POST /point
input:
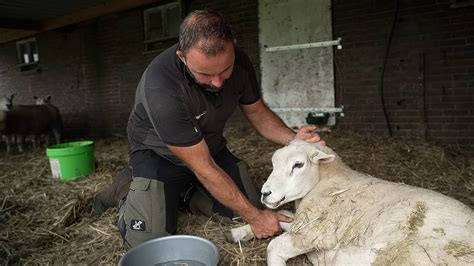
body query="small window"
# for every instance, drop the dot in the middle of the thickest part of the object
(28, 56)
(161, 26)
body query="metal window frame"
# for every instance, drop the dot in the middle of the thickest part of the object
(162, 9)
(27, 43)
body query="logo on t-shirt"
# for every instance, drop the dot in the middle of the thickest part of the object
(200, 115)
(138, 225)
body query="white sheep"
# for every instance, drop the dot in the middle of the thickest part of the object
(346, 217)
(40, 101)
(6, 102)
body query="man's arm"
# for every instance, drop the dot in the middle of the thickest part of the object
(197, 157)
(270, 126)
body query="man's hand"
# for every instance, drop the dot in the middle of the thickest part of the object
(266, 223)
(308, 134)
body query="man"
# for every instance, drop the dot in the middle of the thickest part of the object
(175, 130)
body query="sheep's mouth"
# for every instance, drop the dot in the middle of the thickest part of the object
(275, 204)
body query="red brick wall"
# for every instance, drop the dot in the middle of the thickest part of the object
(443, 36)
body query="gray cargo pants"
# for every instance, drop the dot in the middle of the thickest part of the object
(150, 209)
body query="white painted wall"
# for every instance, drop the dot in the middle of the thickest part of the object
(296, 78)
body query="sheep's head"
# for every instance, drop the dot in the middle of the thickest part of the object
(6, 102)
(295, 173)
(41, 101)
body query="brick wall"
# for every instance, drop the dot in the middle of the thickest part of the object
(243, 17)
(58, 75)
(91, 70)
(430, 39)
(121, 63)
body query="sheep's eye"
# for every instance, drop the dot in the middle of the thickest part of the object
(298, 165)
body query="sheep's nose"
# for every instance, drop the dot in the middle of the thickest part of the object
(266, 194)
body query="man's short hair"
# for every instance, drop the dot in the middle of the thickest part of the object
(205, 30)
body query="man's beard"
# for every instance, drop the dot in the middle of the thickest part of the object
(210, 88)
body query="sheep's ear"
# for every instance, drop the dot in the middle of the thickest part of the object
(35, 97)
(317, 156)
(48, 98)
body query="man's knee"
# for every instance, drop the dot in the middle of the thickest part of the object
(142, 216)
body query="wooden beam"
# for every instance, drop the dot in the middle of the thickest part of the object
(7, 35)
(20, 24)
(102, 9)
(105, 8)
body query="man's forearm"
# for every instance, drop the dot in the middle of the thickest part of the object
(223, 188)
(270, 126)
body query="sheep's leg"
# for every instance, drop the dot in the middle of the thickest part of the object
(7, 142)
(244, 233)
(281, 249)
(47, 140)
(44, 140)
(20, 140)
(57, 136)
(286, 226)
(35, 142)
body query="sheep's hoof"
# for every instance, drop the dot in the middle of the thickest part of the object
(229, 237)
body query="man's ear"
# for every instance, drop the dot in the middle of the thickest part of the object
(181, 56)
(317, 156)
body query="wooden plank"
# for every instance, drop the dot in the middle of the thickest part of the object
(108, 7)
(20, 24)
(7, 35)
(102, 9)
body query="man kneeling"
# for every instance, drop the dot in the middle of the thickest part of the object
(175, 130)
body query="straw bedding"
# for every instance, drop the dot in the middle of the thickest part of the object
(46, 221)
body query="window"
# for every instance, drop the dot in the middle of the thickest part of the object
(28, 56)
(161, 26)
(27, 52)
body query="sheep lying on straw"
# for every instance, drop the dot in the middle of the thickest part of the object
(346, 217)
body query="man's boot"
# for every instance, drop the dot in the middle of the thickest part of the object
(200, 203)
(197, 200)
(111, 196)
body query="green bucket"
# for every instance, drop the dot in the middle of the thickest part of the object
(71, 160)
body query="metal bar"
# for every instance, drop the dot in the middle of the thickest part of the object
(305, 46)
(311, 109)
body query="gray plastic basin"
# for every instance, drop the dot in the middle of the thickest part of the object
(173, 250)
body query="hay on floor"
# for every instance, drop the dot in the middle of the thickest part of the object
(45, 221)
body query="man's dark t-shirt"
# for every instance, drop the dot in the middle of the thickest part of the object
(171, 108)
